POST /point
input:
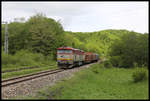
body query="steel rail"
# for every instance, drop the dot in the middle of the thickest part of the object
(19, 79)
(15, 80)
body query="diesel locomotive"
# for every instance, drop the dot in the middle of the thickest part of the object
(67, 57)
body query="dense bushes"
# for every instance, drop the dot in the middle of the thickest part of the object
(116, 61)
(96, 67)
(107, 64)
(129, 49)
(139, 74)
(24, 58)
(95, 70)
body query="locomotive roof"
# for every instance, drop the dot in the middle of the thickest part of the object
(69, 48)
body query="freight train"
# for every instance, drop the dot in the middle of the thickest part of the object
(68, 57)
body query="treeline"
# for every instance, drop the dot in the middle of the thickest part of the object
(44, 35)
(123, 48)
(39, 34)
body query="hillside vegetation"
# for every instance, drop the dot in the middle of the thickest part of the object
(43, 35)
(122, 47)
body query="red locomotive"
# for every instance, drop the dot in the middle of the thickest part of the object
(68, 57)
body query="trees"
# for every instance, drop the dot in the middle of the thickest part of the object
(131, 48)
(142, 49)
(39, 34)
(16, 36)
(46, 34)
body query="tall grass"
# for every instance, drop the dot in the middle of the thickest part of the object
(105, 83)
(140, 74)
(24, 58)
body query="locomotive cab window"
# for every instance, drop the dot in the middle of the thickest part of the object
(64, 51)
(68, 51)
(60, 51)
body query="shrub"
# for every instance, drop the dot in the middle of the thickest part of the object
(107, 64)
(135, 65)
(139, 74)
(95, 68)
(8, 59)
(116, 61)
(22, 58)
(101, 65)
(25, 58)
(5, 58)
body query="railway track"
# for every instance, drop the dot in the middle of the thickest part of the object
(19, 79)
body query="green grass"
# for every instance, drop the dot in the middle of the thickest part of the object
(108, 83)
(26, 71)
(14, 67)
(25, 58)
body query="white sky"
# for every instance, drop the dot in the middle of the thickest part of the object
(84, 16)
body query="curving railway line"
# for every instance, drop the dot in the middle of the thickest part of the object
(28, 84)
(19, 79)
(14, 80)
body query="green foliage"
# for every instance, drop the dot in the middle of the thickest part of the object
(135, 65)
(26, 71)
(115, 61)
(95, 68)
(21, 58)
(24, 58)
(17, 37)
(113, 83)
(107, 64)
(139, 74)
(130, 48)
(2, 34)
(6, 59)
(98, 42)
(40, 34)
(45, 34)
(101, 65)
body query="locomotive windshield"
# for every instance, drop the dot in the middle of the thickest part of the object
(64, 51)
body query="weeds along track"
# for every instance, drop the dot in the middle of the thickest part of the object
(19, 79)
(19, 69)
(15, 80)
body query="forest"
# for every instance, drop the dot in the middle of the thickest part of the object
(40, 36)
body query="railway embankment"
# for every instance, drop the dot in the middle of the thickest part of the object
(29, 87)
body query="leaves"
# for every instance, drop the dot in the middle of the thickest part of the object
(44, 35)
(132, 47)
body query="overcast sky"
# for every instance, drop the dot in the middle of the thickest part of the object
(84, 16)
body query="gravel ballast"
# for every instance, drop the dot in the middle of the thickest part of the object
(31, 86)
